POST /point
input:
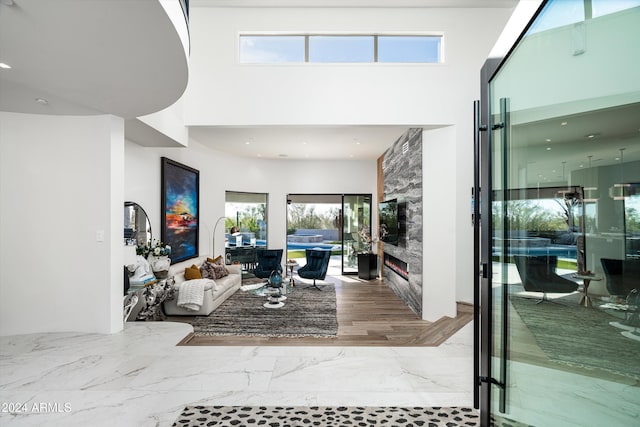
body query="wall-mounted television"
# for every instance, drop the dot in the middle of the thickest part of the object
(389, 228)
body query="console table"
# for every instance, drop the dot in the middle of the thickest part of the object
(244, 255)
(145, 302)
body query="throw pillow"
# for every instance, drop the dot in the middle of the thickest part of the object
(192, 272)
(220, 271)
(219, 261)
(207, 270)
(216, 260)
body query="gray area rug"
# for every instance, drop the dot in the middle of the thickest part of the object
(578, 336)
(326, 416)
(306, 312)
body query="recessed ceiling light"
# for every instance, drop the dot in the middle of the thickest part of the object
(548, 140)
(617, 158)
(247, 143)
(259, 155)
(581, 166)
(563, 124)
(42, 101)
(304, 143)
(4, 65)
(548, 148)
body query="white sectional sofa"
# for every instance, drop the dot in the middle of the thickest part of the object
(214, 295)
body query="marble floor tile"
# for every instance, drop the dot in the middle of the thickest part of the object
(139, 377)
(569, 399)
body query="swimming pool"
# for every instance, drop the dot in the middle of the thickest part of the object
(312, 245)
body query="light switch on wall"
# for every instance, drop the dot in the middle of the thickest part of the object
(99, 235)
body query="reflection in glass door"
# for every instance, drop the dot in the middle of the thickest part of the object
(356, 230)
(559, 205)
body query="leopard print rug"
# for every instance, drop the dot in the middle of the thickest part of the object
(326, 416)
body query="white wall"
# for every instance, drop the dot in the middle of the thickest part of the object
(57, 193)
(444, 259)
(222, 91)
(220, 172)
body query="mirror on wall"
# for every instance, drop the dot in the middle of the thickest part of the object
(137, 227)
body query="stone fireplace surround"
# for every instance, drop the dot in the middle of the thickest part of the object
(402, 180)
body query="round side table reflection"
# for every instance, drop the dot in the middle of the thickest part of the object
(585, 299)
(291, 265)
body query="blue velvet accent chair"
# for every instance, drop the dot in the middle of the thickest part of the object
(622, 275)
(268, 260)
(316, 267)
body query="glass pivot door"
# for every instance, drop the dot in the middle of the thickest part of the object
(559, 162)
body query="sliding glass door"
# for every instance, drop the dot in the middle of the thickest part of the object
(561, 263)
(356, 229)
(339, 223)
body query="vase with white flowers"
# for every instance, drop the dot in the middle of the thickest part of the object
(157, 253)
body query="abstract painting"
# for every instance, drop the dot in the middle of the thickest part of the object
(180, 199)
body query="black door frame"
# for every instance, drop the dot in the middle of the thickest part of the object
(483, 312)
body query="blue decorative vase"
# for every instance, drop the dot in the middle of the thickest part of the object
(275, 279)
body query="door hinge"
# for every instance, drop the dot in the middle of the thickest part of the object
(497, 126)
(490, 381)
(484, 271)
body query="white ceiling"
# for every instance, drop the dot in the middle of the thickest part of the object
(544, 147)
(300, 142)
(89, 57)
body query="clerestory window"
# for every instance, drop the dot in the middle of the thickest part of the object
(337, 48)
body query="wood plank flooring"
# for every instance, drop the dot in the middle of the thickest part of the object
(369, 314)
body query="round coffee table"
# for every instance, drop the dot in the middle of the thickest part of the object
(274, 302)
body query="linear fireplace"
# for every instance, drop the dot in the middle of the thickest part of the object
(398, 266)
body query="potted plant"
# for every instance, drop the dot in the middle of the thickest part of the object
(367, 260)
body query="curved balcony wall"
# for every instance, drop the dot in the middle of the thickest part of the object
(100, 57)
